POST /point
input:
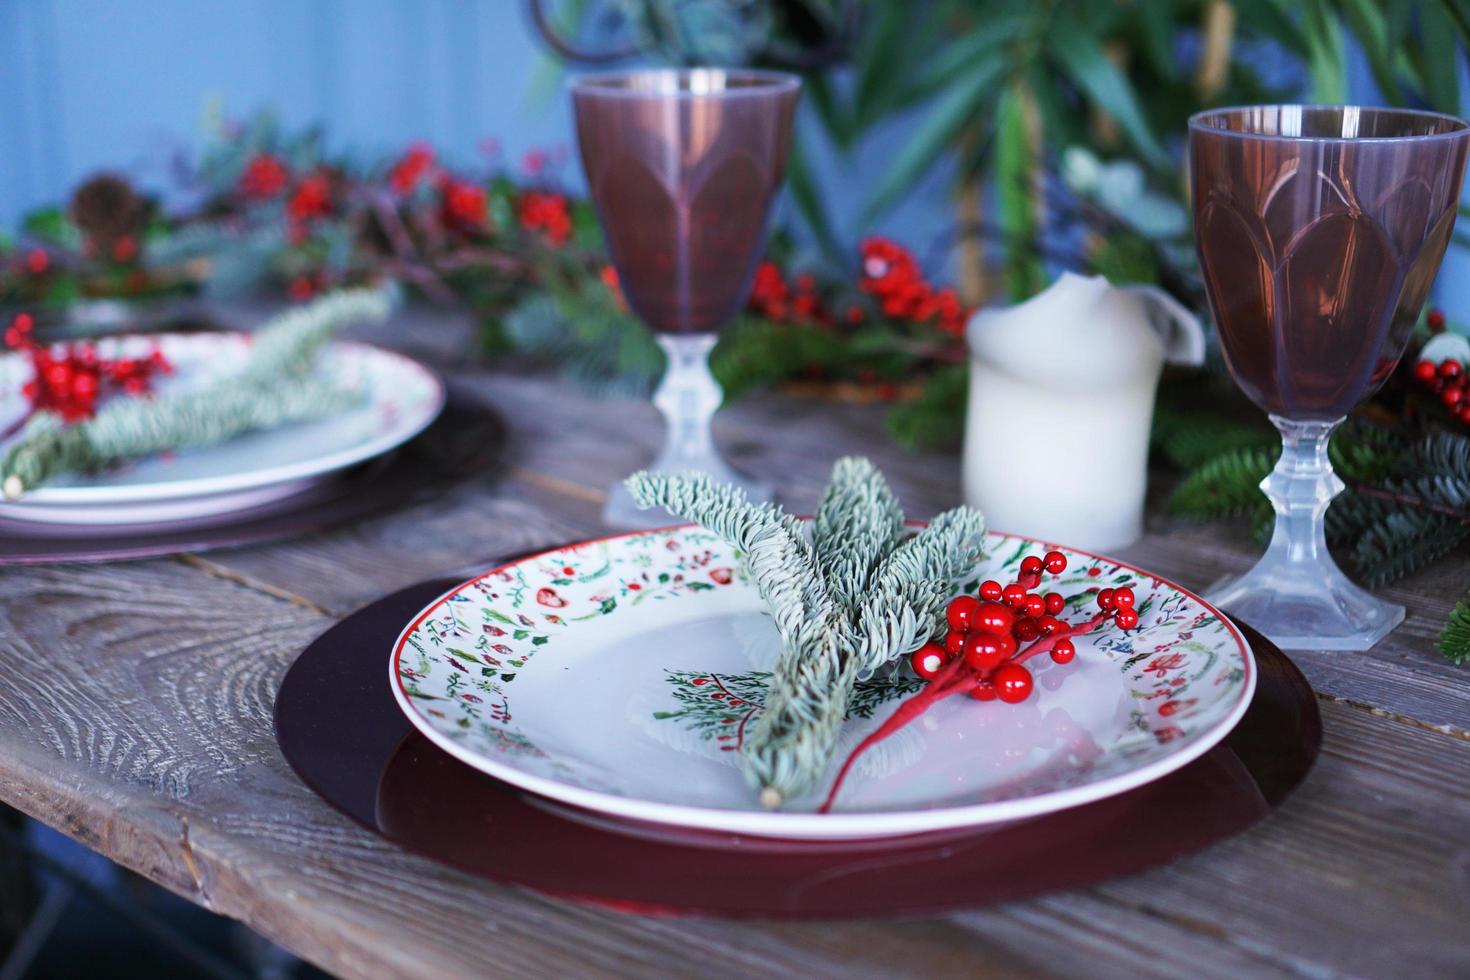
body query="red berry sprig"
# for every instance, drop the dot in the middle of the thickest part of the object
(990, 638)
(70, 379)
(1449, 381)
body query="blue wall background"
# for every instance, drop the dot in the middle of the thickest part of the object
(92, 84)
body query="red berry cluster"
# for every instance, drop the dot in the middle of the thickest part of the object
(547, 213)
(312, 198)
(991, 632)
(795, 302)
(70, 379)
(890, 274)
(463, 204)
(264, 177)
(989, 640)
(1450, 382)
(411, 169)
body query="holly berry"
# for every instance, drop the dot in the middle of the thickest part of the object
(1435, 321)
(995, 619)
(1123, 598)
(1049, 624)
(961, 612)
(1105, 600)
(1426, 370)
(983, 652)
(1055, 602)
(954, 643)
(1026, 630)
(1063, 652)
(1012, 683)
(1452, 397)
(1031, 565)
(1055, 562)
(1034, 605)
(1013, 595)
(1127, 619)
(984, 691)
(990, 590)
(1450, 368)
(929, 660)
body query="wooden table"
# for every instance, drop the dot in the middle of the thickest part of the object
(135, 715)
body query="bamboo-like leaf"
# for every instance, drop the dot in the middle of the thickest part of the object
(1326, 55)
(965, 102)
(808, 199)
(1440, 56)
(1083, 60)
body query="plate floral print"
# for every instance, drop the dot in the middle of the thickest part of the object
(457, 665)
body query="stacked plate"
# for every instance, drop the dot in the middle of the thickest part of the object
(213, 484)
(619, 677)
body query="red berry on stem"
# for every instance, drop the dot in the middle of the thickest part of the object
(1450, 368)
(1425, 370)
(1123, 598)
(995, 619)
(1012, 683)
(1049, 625)
(1055, 602)
(1055, 562)
(1452, 397)
(961, 612)
(1105, 599)
(984, 691)
(990, 590)
(1026, 629)
(1435, 321)
(1031, 565)
(1013, 595)
(954, 643)
(928, 660)
(1063, 651)
(1127, 619)
(1465, 414)
(983, 650)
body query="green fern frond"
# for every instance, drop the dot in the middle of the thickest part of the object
(1454, 639)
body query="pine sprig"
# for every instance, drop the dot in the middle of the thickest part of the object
(1454, 639)
(849, 603)
(1228, 485)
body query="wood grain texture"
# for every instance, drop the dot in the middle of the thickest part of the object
(135, 716)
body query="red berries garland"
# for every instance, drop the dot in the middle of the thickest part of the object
(70, 379)
(890, 274)
(1450, 382)
(990, 638)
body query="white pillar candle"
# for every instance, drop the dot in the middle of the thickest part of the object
(1061, 402)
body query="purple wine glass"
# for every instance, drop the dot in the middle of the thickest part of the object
(1320, 230)
(683, 166)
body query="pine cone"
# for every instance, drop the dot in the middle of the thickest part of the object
(106, 208)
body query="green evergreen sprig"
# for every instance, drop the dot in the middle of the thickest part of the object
(855, 597)
(1454, 639)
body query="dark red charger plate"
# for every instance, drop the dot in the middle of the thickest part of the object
(466, 438)
(341, 730)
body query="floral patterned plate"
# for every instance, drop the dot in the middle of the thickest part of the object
(620, 675)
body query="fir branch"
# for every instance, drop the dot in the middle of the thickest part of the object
(1454, 639)
(858, 524)
(288, 344)
(1228, 485)
(1404, 542)
(133, 427)
(825, 644)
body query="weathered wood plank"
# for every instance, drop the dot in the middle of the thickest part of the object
(136, 717)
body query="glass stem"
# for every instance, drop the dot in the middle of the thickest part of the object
(688, 396)
(1300, 489)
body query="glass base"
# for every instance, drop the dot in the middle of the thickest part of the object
(621, 511)
(1296, 611)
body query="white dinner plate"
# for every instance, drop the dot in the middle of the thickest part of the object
(402, 398)
(620, 675)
